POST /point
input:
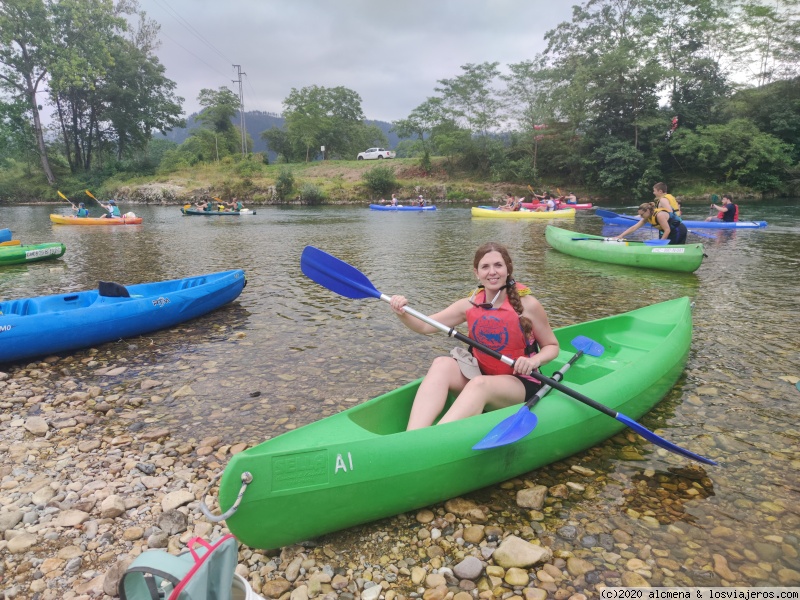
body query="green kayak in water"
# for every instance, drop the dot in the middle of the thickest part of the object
(361, 465)
(15, 255)
(648, 254)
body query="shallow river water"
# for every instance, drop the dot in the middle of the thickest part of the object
(289, 352)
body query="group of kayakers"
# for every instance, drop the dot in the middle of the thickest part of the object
(547, 202)
(420, 201)
(112, 210)
(215, 204)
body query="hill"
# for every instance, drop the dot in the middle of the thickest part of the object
(256, 122)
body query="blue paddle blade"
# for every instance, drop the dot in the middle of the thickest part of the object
(509, 430)
(607, 214)
(588, 345)
(659, 441)
(335, 274)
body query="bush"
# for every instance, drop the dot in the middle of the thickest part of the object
(284, 184)
(311, 194)
(380, 181)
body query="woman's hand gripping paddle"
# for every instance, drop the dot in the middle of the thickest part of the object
(347, 281)
(517, 426)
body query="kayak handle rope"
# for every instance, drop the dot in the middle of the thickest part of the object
(247, 478)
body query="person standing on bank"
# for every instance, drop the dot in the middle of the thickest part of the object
(501, 314)
(668, 224)
(728, 212)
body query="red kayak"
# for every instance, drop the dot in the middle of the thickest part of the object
(559, 205)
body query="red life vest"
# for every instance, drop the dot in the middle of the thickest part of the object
(721, 214)
(499, 329)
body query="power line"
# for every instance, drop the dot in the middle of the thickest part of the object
(189, 27)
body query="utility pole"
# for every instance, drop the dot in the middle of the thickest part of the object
(241, 107)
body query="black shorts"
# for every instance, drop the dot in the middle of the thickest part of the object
(531, 387)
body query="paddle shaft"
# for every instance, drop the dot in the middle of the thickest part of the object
(558, 376)
(65, 198)
(653, 242)
(450, 331)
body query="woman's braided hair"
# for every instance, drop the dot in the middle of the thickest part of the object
(511, 288)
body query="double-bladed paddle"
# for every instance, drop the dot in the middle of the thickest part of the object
(607, 214)
(65, 198)
(518, 425)
(653, 242)
(347, 281)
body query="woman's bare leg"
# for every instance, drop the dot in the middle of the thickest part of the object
(497, 391)
(443, 376)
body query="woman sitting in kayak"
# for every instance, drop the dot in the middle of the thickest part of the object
(511, 203)
(669, 225)
(501, 314)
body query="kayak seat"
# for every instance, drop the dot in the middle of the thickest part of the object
(19, 307)
(112, 290)
(194, 281)
(637, 337)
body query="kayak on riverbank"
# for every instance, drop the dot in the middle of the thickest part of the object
(48, 324)
(613, 218)
(18, 254)
(488, 212)
(361, 465)
(648, 254)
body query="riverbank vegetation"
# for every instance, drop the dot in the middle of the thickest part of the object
(702, 94)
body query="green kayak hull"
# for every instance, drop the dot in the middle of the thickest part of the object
(361, 465)
(14, 255)
(686, 258)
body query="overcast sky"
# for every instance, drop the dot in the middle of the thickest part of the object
(391, 52)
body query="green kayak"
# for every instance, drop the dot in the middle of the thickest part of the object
(685, 258)
(14, 255)
(361, 465)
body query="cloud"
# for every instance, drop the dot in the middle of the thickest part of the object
(391, 52)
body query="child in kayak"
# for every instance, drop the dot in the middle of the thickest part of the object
(501, 314)
(668, 224)
(81, 212)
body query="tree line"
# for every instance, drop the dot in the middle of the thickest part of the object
(627, 92)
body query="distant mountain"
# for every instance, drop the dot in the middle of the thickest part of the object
(256, 122)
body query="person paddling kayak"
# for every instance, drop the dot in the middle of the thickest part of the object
(501, 314)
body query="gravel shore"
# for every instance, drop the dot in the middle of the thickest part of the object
(87, 483)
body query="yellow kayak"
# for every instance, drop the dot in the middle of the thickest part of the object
(73, 220)
(492, 213)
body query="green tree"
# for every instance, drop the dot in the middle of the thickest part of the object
(26, 49)
(219, 107)
(332, 117)
(735, 152)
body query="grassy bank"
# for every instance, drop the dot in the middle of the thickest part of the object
(327, 182)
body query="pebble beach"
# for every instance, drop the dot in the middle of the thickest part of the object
(90, 479)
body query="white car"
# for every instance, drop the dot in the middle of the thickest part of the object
(375, 153)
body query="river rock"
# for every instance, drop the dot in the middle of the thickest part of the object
(469, 568)
(172, 522)
(175, 499)
(516, 552)
(112, 507)
(9, 519)
(37, 426)
(532, 497)
(21, 543)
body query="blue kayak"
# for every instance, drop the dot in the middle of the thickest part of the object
(48, 324)
(398, 207)
(612, 218)
(5, 235)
